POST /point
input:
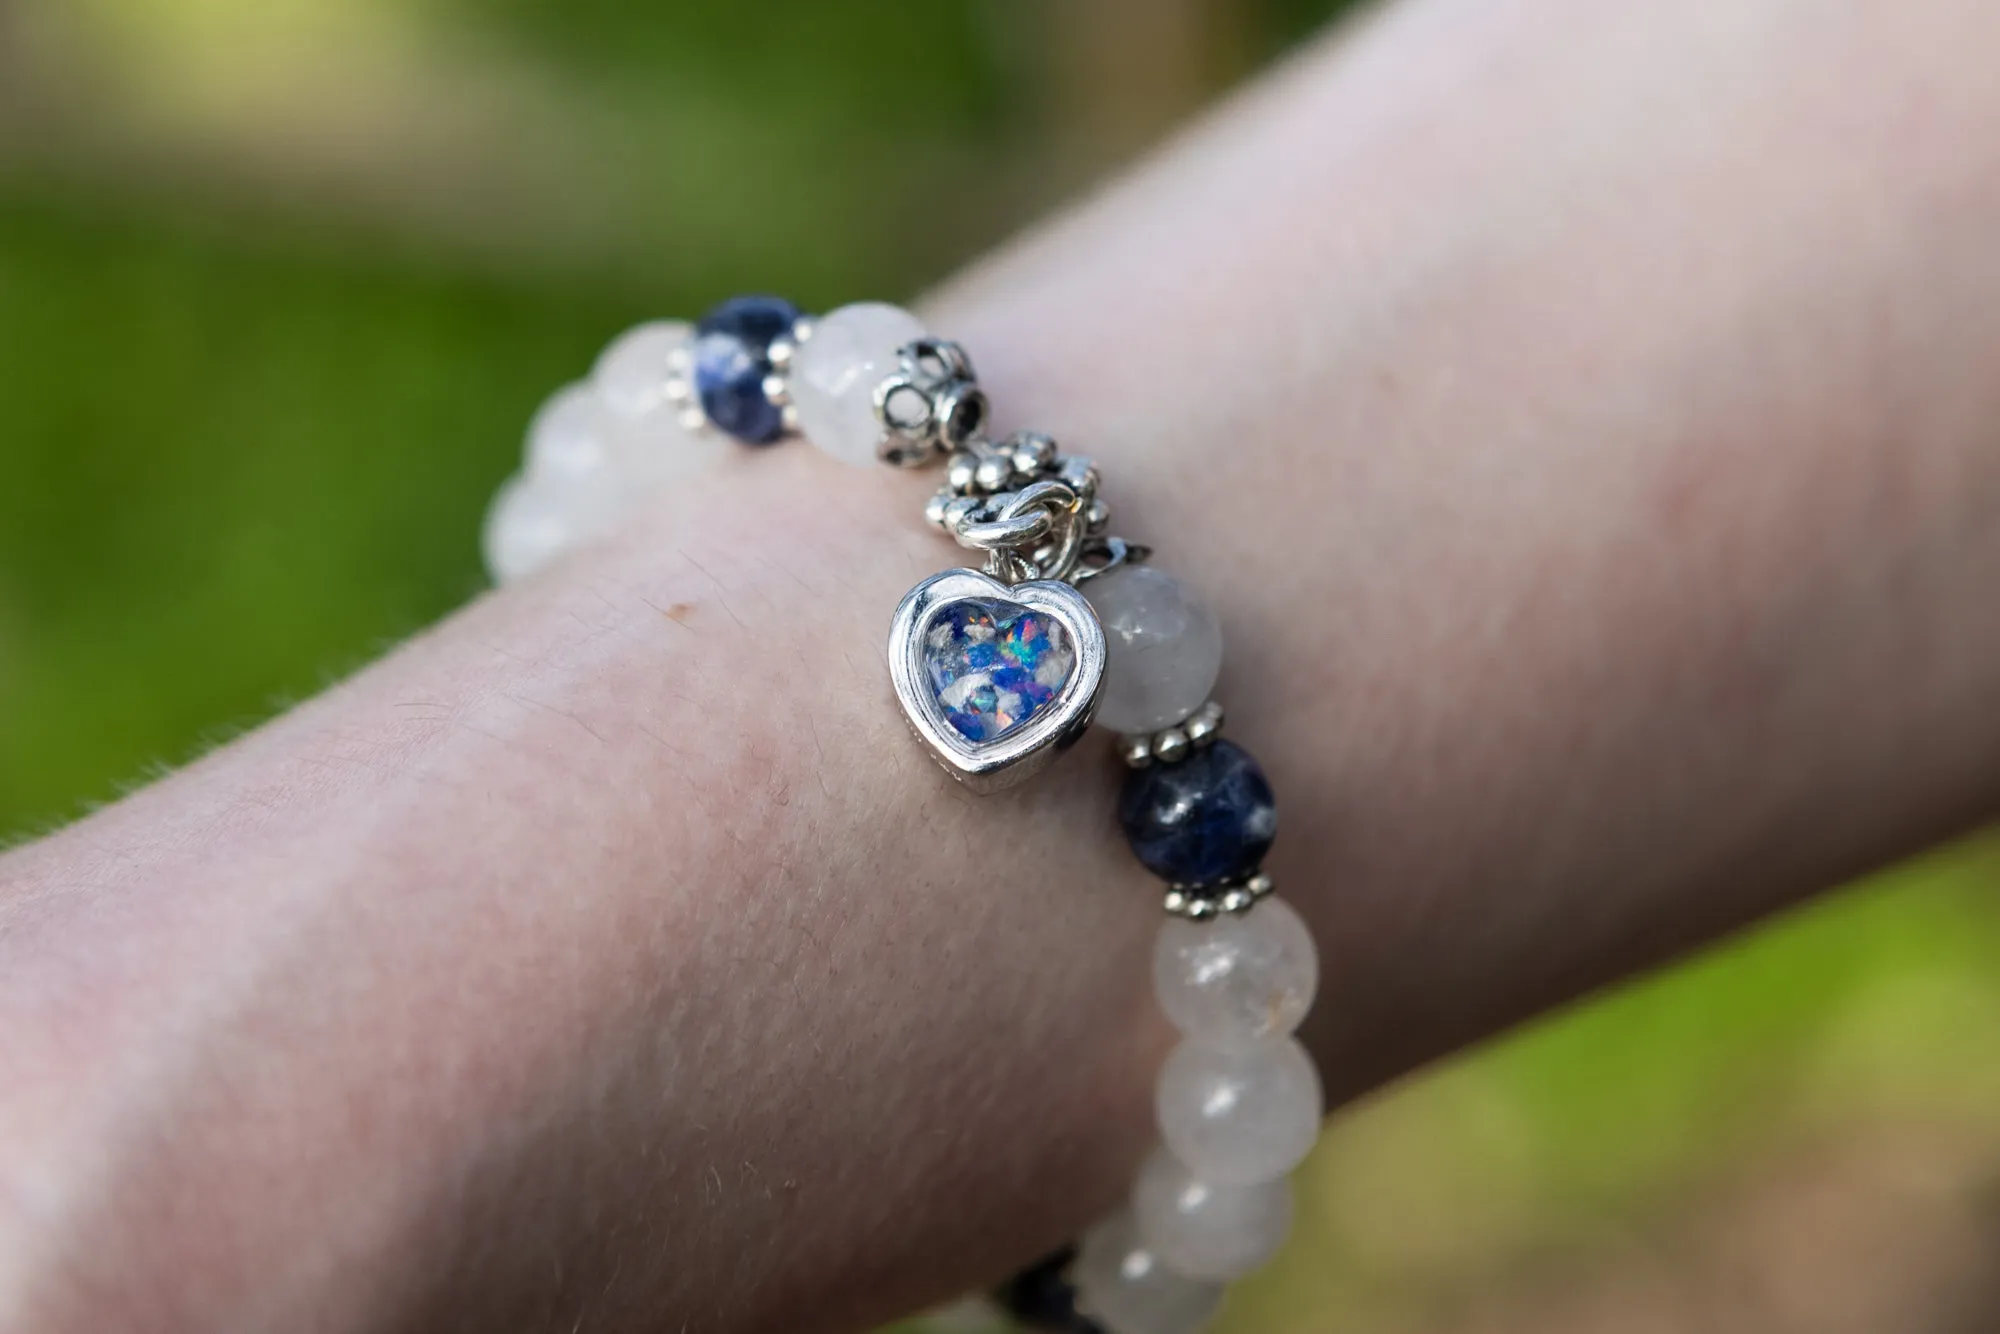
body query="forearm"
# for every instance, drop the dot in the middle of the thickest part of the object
(1596, 485)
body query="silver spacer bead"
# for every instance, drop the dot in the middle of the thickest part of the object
(1030, 453)
(993, 472)
(1194, 907)
(1172, 744)
(1203, 903)
(1080, 473)
(961, 472)
(1205, 724)
(680, 390)
(934, 508)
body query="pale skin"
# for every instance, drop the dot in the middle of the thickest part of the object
(1586, 421)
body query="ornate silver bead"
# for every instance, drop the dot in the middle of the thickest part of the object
(932, 404)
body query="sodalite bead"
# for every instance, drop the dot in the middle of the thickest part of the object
(1234, 981)
(732, 357)
(835, 373)
(1204, 820)
(1128, 1289)
(1209, 1229)
(1163, 649)
(1042, 1297)
(1242, 1115)
(758, 321)
(993, 665)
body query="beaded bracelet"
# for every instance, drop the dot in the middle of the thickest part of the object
(998, 669)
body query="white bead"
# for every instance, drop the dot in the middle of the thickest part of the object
(649, 454)
(1126, 1288)
(1206, 1229)
(603, 461)
(527, 526)
(834, 374)
(1235, 980)
(1241, 1115)
(573, 486)
(631, 372)
(570, 437)
(1163, 649)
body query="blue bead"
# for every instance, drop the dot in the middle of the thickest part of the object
(1206, 820)
(732, 357)
(756, 320)
(729, 380)
(1042, 1298)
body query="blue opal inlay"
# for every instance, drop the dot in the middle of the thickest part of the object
(1205, 820)
(732, 357)
(993, 665)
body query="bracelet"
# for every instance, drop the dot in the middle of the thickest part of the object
(998, 669)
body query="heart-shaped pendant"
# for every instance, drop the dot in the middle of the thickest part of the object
(996, 679)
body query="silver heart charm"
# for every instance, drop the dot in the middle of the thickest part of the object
(996, 678)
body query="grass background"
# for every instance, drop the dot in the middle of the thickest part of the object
(281, 281)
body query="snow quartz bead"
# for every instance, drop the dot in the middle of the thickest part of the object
(1239, 1105)
(1209, 1230)
(1241, 1114)
(1163, 649)
(525, 529)
(835, 373)
(650, 444)
(1125, 1286)
(631, 374)
(565, 493)
(1234, 981)
(594, 450)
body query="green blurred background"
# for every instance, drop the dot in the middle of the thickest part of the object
(281, 281)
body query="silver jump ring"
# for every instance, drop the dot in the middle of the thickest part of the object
(1005, 534)
(1067, 511)
(1040, 529)
(1023, 520)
